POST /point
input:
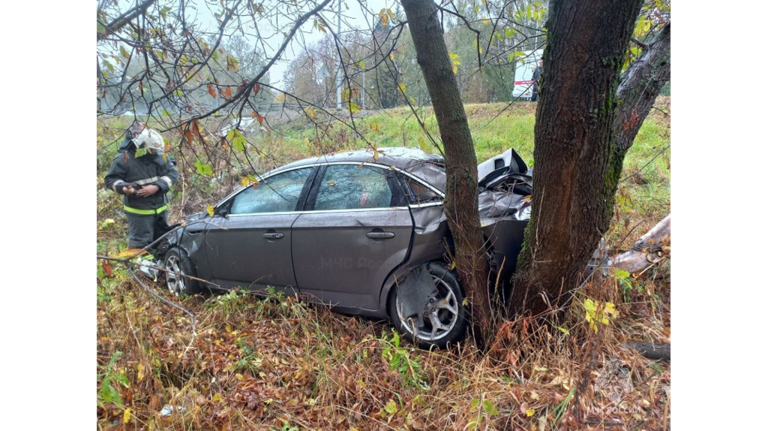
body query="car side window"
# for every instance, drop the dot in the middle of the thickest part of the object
(418, 192)
(278, 193)
(354, 187)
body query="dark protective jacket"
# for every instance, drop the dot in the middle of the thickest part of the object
(144, 170)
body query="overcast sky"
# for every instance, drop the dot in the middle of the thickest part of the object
(353, 17)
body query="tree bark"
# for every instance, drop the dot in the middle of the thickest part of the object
(461, 162)
(640, 85)
(573, 193)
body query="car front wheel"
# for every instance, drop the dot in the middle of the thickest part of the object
(178, 268)
(439, 317)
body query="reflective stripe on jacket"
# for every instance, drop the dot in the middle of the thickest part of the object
(144, 170)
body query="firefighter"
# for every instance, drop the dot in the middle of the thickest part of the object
(144, 175)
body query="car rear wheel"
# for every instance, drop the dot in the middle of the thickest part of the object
(443, 318)
(178, 268)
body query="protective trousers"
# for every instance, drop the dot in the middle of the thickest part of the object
(145, 229)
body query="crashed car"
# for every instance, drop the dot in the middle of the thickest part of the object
(366, 235)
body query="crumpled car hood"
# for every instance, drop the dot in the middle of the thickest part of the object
(505, 186)
(507, 163)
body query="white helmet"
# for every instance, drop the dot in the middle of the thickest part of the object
(150, 139)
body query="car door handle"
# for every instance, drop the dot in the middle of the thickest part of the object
(380, 235)
(273, 235)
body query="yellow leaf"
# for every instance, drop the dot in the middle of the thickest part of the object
(244, 181)
(141, 372)
(127, 415)
(130, 252)
(209, 209)
(217, 398)
(392, 56)
(530, 412)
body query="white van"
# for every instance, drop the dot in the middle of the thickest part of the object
(525, 65)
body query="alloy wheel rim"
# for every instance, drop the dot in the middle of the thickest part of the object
(175, 280)
(440, 314)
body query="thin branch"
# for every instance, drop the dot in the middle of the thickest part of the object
(649, 162)
(179, 307)
(469, 26)
(119, 22)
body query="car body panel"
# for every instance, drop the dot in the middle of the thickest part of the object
(191, 238)
(336, 261)
(251, 250)
(506, 236)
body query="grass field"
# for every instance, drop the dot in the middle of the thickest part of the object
(277, 363)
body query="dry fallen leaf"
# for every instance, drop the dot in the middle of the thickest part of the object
(130, 253)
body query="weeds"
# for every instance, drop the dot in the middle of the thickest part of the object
(108, 393)
(400, 360)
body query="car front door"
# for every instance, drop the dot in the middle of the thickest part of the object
(356, 230)
(249, 244)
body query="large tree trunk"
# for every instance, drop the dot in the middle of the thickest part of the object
(461, 162)
(573, 193)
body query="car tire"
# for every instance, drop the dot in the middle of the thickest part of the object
(443, 324)
(178, 270)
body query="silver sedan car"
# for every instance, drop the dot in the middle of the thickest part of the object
(364, 233)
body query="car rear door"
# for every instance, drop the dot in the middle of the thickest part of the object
(250, 244)
(355, 230)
